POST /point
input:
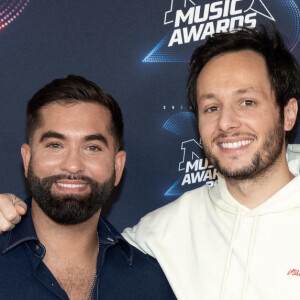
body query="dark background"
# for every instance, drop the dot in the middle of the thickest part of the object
(106, 42)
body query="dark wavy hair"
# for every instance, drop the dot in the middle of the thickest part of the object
(283, 69)
(73, 89)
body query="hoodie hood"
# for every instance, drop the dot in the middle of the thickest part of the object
(224, 200)
(293, 158)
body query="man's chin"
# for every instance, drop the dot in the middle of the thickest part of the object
(240, 172)
(70, 209)
(235, 168)
(235, 174)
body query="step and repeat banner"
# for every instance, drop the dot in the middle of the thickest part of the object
(138, 51)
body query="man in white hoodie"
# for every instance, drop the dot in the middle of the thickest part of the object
(239, 239)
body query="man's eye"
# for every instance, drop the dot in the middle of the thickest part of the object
(53, 145)
(94, 148)
(211, 109)
(248, 103)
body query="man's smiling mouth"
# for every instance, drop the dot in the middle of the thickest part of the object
(71, 185)
(236, 145)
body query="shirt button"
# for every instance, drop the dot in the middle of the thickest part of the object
(37, 248)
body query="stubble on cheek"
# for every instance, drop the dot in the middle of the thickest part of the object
(262, 160)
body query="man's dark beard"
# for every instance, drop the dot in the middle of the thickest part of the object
(263, 159)
(71, 208)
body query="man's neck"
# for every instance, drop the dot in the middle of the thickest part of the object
(71, 252)
(78, 240)
(253, 192)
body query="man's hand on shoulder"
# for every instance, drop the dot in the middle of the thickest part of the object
(11, 210)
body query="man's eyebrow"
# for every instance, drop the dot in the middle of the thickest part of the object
(52, 134)
(246, 90)
(237, 92)
(97, 137)
(207, 96)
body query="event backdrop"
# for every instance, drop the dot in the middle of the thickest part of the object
(138, 51)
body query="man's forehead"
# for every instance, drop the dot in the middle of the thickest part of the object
(246, 67)
(69, 110)
(70, 104)
(234, 56)
(80, 116)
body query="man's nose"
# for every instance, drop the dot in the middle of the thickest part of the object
(73, 162)
(229, 119)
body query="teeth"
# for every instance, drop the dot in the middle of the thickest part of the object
(67, 185)
(236, 145)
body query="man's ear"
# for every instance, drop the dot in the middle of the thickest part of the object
(120, 159)
(26, 154)
(290, 114)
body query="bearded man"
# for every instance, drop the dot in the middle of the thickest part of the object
(62, 248)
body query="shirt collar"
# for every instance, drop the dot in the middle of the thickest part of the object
(108, 235)
(25, 231)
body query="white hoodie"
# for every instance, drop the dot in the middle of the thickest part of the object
(211, 247)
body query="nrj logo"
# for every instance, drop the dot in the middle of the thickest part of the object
(194, 170)
(191, 21)
(200, 21)
(191, 168)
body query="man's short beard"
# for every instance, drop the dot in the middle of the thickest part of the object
(71, 208)
(265, 158)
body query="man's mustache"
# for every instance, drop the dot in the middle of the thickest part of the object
(52, 179)
(235, 134)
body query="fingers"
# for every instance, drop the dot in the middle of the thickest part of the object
(6, 225)
(21, 208)
(11, 210)
(20, 205)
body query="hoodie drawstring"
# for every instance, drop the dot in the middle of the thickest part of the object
(229, 256)
(249, 258)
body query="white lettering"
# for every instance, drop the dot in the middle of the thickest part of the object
(176, 38)
(202, 165)
(210, 11)
(208, 30)
(223, 25)
(215, 9)
(197, 18)
(200, 176)
(191, 166)
(197, 177)
(193, 33)
(186, 179)
(251, 23)
(233, 11)
(215, 173)
(208, 175)
(240, 22)
(180, 17)
(226, 8)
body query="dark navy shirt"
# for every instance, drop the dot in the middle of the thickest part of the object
(123, 272)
